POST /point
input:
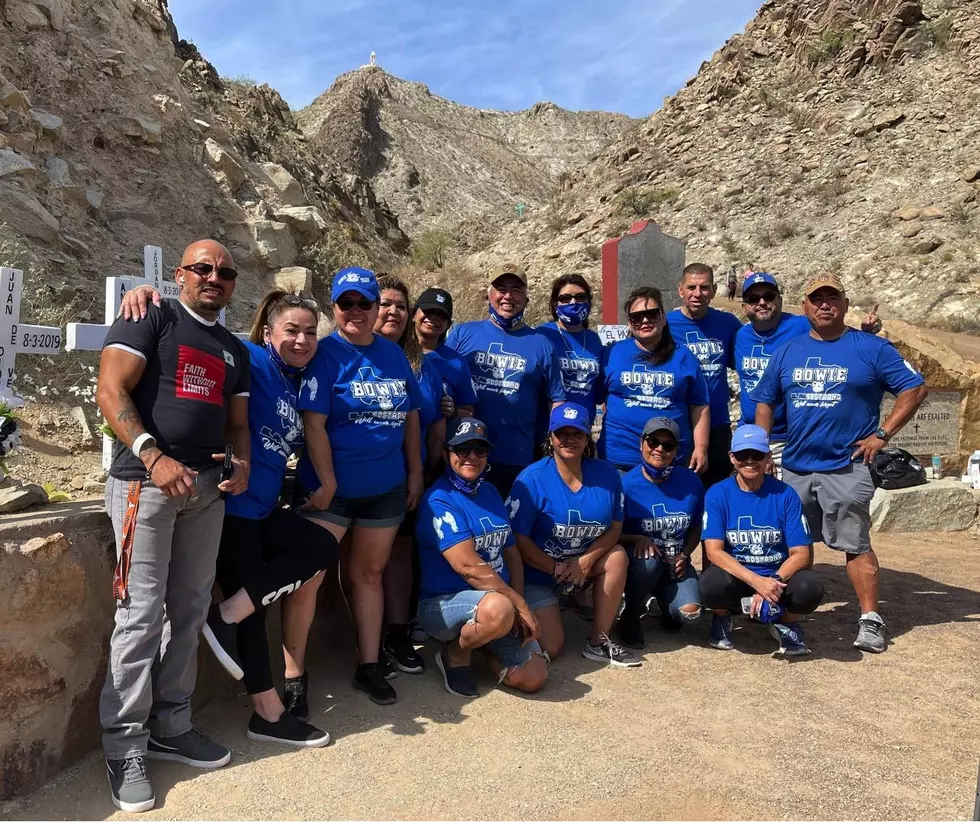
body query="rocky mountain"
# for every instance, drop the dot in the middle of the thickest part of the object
(831, 134)
(436, 162)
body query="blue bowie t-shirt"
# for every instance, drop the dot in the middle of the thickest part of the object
(758, 527)
(513, 372)
(447, 517)
(753, 350)
(366, 391)
(561, 522)
(636, 390)
(580, 360)
(458, 382)
(712, 340)
(832, 392)
(430, 397)
(662, 511)
(275, 430)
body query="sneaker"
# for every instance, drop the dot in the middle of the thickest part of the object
(652, 607)
(130, 786)
(384, 665)
(609, 651)
(192, 748)
(631, 633)
(371, 680)
(457, 680)
(871, 633)
(669, 624)
(583, 609)
(720, 635)
(294, 697)
(287, 730)
(417, 633)
(790, 639)
(222, 639)
(400, 650)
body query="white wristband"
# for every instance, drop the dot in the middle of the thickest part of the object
(141, 441)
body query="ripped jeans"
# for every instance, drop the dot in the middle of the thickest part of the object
(648, 577)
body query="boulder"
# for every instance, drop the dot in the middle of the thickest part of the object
(23, 15)
(20, 497)
(50, 124)
(276, 184)
(970, 174)
(888, 119)
(931, 213)
(943, 505)
(907, 213)
(13, 165)
(58, 171)
(911, 229)
(25, 215)
(308, 221)
(273, 242)
(13, 98)
(139, 128)
(225, 162)
(926, 245)
(295, 280)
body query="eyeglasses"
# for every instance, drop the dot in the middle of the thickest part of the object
(665, 445)
(205, 270)
(765, 296)
(346, 304)
(565, 299)
(465, 451)
(295, 301)
(749, 455)
(651, 315)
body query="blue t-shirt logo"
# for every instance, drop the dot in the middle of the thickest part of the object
(664, 523)
(313, 385)
(446, 519)
(578, 374)
(371, 389)
(756, 538)
(645, 387)
(502, 366)
(822, 380)
(492, 541)
(570, 536)
(753, 367)
(710, 353)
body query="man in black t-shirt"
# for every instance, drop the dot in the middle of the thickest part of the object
(174, 389)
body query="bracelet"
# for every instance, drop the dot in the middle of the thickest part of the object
(156, 459)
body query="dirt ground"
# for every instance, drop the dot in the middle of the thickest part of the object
(694, 734)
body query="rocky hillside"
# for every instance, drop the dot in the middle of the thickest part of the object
(436, 162)
(838, 134)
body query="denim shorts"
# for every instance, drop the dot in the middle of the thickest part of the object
(443, 617)
(379, 511)
(540, 596)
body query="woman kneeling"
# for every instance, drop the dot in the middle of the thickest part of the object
(468, 556)
(759, 545)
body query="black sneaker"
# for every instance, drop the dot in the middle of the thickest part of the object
(669, 624)
(192, 748)
(457, 680)
(294, 697)
(370, 680)
(222, 639)
(630, 632)
(130, 786)
(287, 730)
(400, 650)
(608, 651)
(384, 665)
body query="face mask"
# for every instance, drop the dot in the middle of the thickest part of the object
(286, 368)
(462, 484)
(573, 313)
(506, 323)
(658, 474)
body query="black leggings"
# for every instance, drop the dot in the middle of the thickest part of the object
(269, 558)
(721, 591)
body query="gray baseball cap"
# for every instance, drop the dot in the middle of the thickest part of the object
(662, 424)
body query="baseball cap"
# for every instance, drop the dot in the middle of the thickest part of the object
(758, 278)
(750, 438)
(466, 429)
(569, 415)
(655, 424)
(435, 298)
(825, 280)
(508, 268)
(360, 280)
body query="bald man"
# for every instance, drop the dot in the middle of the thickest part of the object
(174, 389)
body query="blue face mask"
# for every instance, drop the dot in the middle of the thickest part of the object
(506, 323)
(573, 313)
(658, 474)
(286, 368)
(462, 484)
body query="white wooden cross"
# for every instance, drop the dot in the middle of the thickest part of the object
(17, 337)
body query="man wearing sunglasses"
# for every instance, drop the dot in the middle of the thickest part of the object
(830, 384)
(174, 389)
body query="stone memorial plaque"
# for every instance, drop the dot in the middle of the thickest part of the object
(644, 256)
(934, 429)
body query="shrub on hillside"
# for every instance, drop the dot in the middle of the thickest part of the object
(828, 45)
(431, 248)
(639, 202)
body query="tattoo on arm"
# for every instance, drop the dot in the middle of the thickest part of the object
(128, 425)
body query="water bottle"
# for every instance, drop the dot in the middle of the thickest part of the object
(767, 613)
(973, 469)
(937, 467)
(670, 550)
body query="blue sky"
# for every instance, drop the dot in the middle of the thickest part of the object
(507, 54)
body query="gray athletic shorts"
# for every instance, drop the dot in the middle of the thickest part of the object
(776, 451)
(837, 505)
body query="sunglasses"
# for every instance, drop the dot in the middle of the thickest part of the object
(565, 299)
(665, 445)
(205, 270)
(435, 314)
(651, 315)
(465, 451)
(765, 296)
(295, 301)
(346, 304)
(749, 455)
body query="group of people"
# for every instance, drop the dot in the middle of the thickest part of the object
(451, 473)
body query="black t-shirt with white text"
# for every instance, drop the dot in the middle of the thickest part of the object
(193, 368)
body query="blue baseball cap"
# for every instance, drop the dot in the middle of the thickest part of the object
(750, 438)
(759, 278)
(360, 280)
(570, 415)
(466, 429)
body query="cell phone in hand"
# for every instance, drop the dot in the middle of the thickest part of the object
(228, 467)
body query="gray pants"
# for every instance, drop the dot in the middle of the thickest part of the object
(153, 650)
(837, 505)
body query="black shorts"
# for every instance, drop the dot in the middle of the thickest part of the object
(378, 511)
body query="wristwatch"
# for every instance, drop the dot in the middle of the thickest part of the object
(142, 441)
(882, 434)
